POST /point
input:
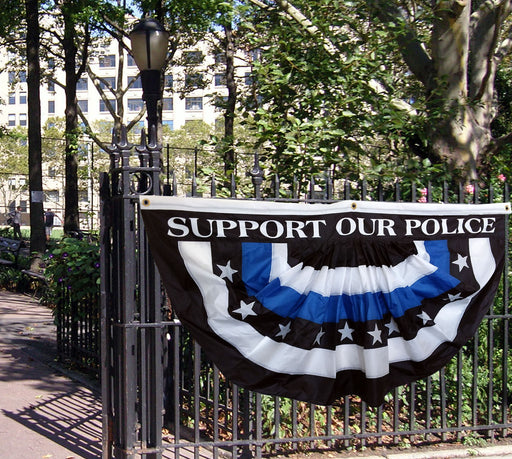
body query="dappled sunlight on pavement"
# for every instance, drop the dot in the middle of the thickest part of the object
(43, 413)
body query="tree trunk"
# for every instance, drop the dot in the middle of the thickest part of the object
(71, 219)
(37, 234)
(454, 136)
(229, 115)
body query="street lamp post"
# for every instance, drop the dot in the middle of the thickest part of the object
(149, 47)
(131, 305)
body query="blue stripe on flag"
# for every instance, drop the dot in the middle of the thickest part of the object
(256, 264)
(317, 308)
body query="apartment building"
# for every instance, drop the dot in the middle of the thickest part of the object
(201, 72)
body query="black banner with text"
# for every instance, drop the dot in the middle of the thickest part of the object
(317, 301)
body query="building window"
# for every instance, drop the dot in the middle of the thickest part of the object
(83, 196)
(52, 172)
(193, 57)
(51, 86)
(82, 84)
(23, 98)
(220, 79)
(168, 82)
(84, 105)
(169, 124)
(24, 205)
(134, 82)
(248, 78)
(11, 183)
(12, 76)
(255, 55)
(193, 103)
(108, 60)
(12, 98)
(23, 119)
(108, 81)
(135, 105)
(51, 63)
(130, 61)
(11, 119)
(52, 195)
(51, 106)
(103, 106)
(220, 58)
(168, 104)
(193, 80)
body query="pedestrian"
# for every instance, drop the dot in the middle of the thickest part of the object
(16, 222)
(49, 219)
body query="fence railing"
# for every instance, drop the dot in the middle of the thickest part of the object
(78, 331)
(469, 400)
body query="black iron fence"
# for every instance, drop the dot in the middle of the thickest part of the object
(78, 331)
(469, 401)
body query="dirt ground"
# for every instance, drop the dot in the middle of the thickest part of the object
(403, 448)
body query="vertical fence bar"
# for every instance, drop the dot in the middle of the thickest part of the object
(294, 423)
(259, 426)
(176, 393)
(364, 411)
(277, 421)
(346, 420)
(506, 318)
(235, 409)
(124, 307)
(216, 396)
(105, 319)
(442, 398)
(197, 398)
(460, 398)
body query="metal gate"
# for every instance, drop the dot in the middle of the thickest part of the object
(161, 398)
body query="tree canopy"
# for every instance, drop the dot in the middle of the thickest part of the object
(413, 77)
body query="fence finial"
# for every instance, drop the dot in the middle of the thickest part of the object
(257, 176)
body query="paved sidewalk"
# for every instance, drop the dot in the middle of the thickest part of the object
(43, 413)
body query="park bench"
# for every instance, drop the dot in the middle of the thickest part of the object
(38, 277)
(11, 249)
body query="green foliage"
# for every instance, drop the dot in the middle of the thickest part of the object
(12, 279)
(14, 152)
(72, 271)
(316, 108)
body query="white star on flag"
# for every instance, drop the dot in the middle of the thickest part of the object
(284, 330)
(227, 271)
(376, 335)
(245, 309)
(346, 332)
(319, 337)
(461, 262)
(458, 296)
(392, 327)
(424, 316)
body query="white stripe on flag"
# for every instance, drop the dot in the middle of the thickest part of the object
(349, 280)
(284, 358)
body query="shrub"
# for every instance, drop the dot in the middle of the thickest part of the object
(72, 267)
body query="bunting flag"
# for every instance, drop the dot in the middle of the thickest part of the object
(317, 301)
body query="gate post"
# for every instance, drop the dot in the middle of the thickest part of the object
(132, 369)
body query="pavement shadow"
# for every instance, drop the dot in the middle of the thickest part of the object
(72, 420)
